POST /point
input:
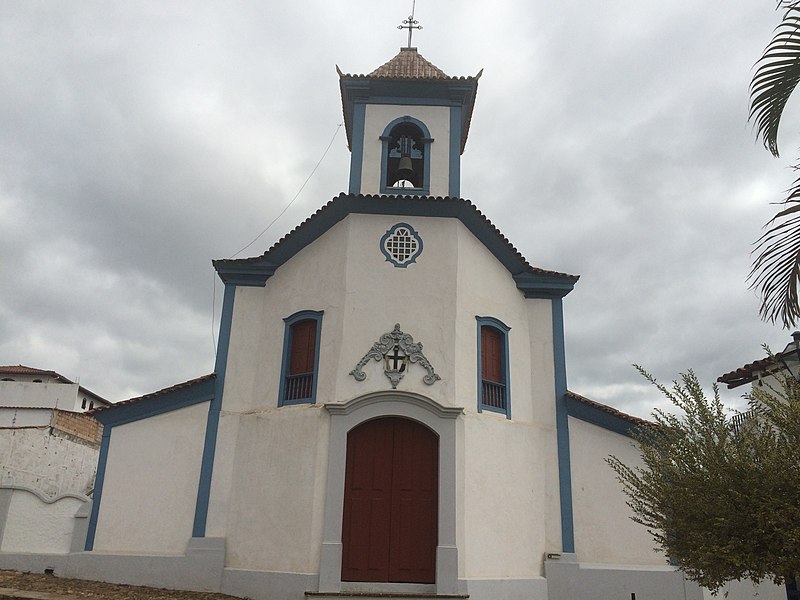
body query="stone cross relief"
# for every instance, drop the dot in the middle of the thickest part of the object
(397, 349)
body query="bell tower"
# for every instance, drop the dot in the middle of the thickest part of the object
(407, 124)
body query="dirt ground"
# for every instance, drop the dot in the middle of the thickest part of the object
(95, 590)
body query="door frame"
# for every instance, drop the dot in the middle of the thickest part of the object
(443, 421)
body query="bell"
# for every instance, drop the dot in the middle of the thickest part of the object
(405, 170)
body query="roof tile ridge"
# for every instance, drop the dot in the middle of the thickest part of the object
(172, 388)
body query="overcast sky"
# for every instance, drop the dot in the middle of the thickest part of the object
(141, 140)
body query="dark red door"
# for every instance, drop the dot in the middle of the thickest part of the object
(390, 521)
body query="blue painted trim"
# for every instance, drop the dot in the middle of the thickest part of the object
(538, 283)
(99, 479)
(287, 338)
(420, 92)
(454, 183)
(410, 101)
(212, 423)
(562, 429)
(426, 180)
(598, 417)
(357, 147)
(390, 232)
(159, 403)
(504, 329)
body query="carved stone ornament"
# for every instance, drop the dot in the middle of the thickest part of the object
(396, 349)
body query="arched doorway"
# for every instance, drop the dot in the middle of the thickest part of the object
(390, 515)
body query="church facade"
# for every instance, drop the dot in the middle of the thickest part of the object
(389, 411)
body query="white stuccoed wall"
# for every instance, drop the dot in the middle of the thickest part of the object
(53, 464)
(36, 526)
(51, 395)
(276, 516)
(604, 533)
(436, 119)
(150, 486)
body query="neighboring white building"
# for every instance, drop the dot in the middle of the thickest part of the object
(46, 442)
(389, 411)
(27, 387)
(48, 459)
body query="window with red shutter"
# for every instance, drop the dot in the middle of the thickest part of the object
(493, 389)
(300, 357)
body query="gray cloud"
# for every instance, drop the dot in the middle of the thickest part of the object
(138, 141)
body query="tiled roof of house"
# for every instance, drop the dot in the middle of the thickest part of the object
(344, 204)
(748, 372)
(23, 370)
(768, 365)
(608, 409)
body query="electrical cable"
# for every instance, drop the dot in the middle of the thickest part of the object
(255, 239)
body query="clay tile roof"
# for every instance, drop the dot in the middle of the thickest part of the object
(23, 370)
(409, 64)
(748, 372)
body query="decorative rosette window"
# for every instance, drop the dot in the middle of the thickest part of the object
(401, 245)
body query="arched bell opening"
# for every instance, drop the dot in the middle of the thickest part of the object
(406, 166)
(405, 157)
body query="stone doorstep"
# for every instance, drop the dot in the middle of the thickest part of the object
(13, 594)
(383, 596)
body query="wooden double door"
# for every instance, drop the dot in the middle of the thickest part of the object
(390, 520)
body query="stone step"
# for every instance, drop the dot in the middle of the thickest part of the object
(383, 596)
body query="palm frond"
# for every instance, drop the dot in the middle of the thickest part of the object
(776, 76)
(776, 269)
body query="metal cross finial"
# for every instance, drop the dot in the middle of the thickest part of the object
(410, 23)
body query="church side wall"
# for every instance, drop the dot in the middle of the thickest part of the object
(604, 533)
(436, 119)
(150, 486)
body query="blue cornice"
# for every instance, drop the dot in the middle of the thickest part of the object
(452, 92)
(245, 274)
(542, 285)
(534, 283)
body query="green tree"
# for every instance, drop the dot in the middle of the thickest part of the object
(720, 496)
(776, 267)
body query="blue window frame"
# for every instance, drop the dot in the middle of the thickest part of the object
(300, 362)
(494, 389)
